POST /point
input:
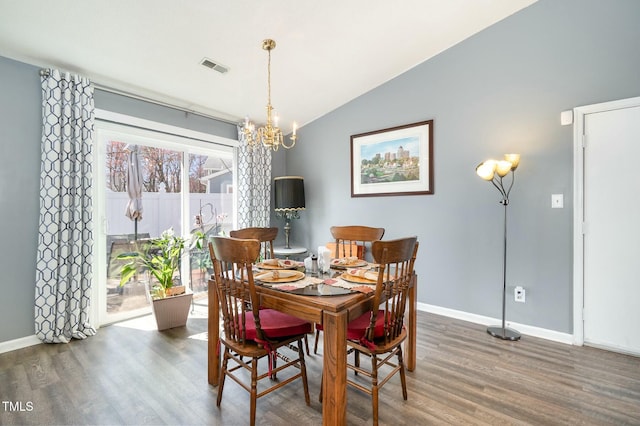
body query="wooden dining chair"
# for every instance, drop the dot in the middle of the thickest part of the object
(350, 241)
(380, 333)
(266, 236)
(251, 333)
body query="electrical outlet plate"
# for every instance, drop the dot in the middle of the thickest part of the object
(519, 294)
(557, 201)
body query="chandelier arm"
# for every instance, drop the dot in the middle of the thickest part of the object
(289, 146)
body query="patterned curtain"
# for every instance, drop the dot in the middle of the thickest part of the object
(254, 184)
(64, 263)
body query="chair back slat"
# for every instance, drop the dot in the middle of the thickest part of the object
(396, 259)
(232, 272)
(350, 241)
(266, 236)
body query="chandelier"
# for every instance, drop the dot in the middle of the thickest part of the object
(270, 134)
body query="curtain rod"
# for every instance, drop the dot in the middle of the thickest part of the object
(45, 73)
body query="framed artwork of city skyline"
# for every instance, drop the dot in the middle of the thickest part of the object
(394, 161)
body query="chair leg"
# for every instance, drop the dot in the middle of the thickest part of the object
(273, 356)
(306, 344)
(254, 390)
(223, 375)
(374, 388)
(403, 379)
(321, 387)
(303, 371)
(315, 345)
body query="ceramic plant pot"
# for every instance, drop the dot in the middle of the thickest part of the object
(172, 311)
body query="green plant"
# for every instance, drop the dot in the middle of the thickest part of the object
(161, 257)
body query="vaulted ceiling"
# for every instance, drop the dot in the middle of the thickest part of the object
(328, 52)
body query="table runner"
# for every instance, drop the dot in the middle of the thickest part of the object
(337, 282)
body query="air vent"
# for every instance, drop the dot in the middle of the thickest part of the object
(214, 65)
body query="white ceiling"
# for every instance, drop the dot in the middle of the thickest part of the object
(328, 52)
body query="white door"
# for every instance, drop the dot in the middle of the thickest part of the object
(612, 229)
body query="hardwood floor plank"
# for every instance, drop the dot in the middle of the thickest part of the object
(131, 374)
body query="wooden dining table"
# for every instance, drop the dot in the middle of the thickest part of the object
(334, 313)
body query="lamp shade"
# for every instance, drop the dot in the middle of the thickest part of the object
(514, 159)
(486, 170)
(503, 167)
(289, 193)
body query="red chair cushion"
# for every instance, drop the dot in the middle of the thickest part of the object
(275, 324)
(357, 327)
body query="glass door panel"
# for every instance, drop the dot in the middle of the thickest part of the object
(211, 206)
(161, 173)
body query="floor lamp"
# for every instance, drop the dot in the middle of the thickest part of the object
(289, 200)
(494, 171)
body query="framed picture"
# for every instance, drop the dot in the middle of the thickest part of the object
(395, 161)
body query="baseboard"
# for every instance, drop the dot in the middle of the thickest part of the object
(23, 342)
(528, 330)
(524, 329)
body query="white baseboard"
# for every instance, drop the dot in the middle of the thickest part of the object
(529, 330)
(23, 342)
(542, 333)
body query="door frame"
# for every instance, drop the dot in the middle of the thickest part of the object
(183, 139)
(579, 114)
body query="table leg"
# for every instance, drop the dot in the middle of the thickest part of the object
(410, 349)
(213, 359)
(334, 371)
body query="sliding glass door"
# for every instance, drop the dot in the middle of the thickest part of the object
(183, 185)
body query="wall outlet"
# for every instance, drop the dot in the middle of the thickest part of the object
(557, 201)
(519, 294)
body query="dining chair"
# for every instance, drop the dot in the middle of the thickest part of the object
(380, 332)
(250, 332)
(266, 236)
(350, 241)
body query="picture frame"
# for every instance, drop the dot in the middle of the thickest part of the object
(393, 161)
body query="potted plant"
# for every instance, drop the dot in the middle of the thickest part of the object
(161, 257)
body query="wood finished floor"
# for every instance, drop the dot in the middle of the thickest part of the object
(132, 374)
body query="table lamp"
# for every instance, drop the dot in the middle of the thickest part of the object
(289, 200)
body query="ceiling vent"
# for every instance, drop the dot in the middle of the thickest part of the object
(214, 65)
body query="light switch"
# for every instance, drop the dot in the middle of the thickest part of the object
(557, 201)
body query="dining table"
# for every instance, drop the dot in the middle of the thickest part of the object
(333, 311)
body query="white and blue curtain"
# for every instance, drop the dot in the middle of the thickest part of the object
(254, 184)
(65, 241)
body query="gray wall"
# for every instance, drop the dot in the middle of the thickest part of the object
(20, 134)
(500, 91)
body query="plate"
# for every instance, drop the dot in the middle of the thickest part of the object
(285, 276)
(356, 279)
(282, 264)
(345, 263)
